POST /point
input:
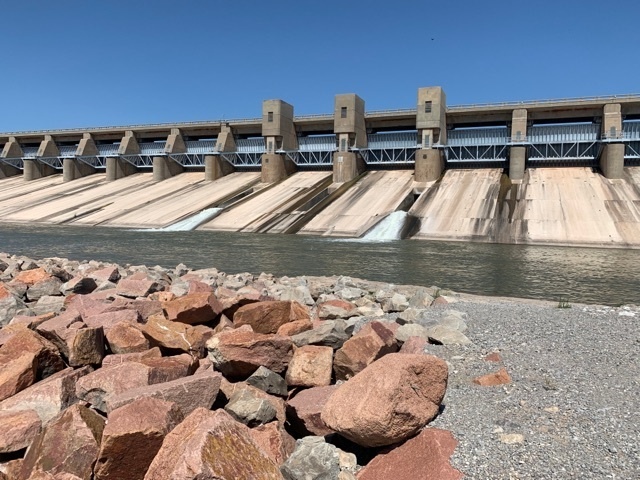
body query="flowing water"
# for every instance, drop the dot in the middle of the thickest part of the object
(190, 223)
(588, 275)
(389, 228)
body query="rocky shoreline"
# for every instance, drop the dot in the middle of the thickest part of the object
(110, 371)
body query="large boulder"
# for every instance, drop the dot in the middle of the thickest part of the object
(426, 456)
(304, 410)
(268, 381)
(310, 366)
(211, 445)
(23, 341)
(239, 352)
(329, 333)
(267, 317)
(274, 441)
(389, 401)
(252, 407)
(193, 308)
(68, 444)
(313, 458)
(17, 373)
(189, 393)
(48, 397)
(18, 429)
(373, 341)
(132, 437)
(124, 337)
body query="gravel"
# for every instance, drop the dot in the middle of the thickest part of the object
(572, 409)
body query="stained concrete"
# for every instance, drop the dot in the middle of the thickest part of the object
(372, 198)
(552, 206)
(263, 210)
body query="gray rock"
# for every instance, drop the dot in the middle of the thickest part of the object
(179, 288)
(268, 381)
(396, 303)
(298, 293)
(447, 336)
(331, 333)
(454, 320)
(44, 288)
(3, 265)
(250, 409)
(9, 308)
(372, 310)
(48, 304)
(410, 315)
(421, 299)
(411, 330)
(312, 459)
(181, 269)
(106, 285)
(350, 293)
(80, 286)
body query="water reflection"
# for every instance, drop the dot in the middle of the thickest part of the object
(585, 275)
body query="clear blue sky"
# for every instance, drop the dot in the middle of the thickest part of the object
(76, 63)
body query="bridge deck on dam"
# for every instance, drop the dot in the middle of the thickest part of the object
(372, 198)
(263, 210)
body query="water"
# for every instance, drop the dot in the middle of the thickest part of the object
(389, 228)
(589, 275)
(190, 223)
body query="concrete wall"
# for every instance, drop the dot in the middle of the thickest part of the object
(612, 158)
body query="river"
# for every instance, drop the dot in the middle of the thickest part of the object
(585, 275)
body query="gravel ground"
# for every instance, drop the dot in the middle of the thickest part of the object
(572, 409)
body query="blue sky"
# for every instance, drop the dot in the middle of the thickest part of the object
(73, 63)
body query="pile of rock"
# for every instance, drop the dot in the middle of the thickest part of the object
(111, 372)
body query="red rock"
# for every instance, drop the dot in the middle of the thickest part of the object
(215, 446)
(49, 328)
(145, 307)
(11, 470)
(123, 337)
(95, 387)
(29, 277)
(239, 352)
(424, 457)
(106, 274)
(31, 322)
(16, 374)
(164, 296)
(274, 441)
(295, 327)
(223, 324)
(107, 320)
(48, 397)
(88, 305)
(68, 444)
(134, 288)
(501, 377)
(232, 300)
(389, 401)
(18, 430)
(439, 301)
(189, 393)
(9, 331)
(176, 366)
(310, 366)
(196, 286)
(303, 411)
(193, 308)
(85, 346)
(47, 355)
(493, 357)
(132, 437)
(414, 345)
(332, 309)
(117, 359)
(4, 291)
(267, 317)
(373, 341)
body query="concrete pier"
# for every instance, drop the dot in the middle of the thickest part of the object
(11, 149)
(431, 123)
(518, 153)
(165, 167)
(118, 167)
(74, 168)
(279, 134)
(215, 166)
(351, 132)
(612, 158)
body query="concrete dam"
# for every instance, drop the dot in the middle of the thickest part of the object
(559, 172)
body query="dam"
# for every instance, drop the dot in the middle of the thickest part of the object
(554, 172)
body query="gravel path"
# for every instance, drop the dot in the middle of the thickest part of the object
(573, 407)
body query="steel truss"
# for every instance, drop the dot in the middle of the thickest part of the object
(569, 150)
(189, 160)
(139, 160)
(632, 150)
(243, 159)
(396, 156)
(14, 162)
(54, 162)
(95, 161)
(310, 158)
(475, 153)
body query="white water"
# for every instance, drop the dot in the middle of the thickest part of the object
(389, 228)
(192, 222)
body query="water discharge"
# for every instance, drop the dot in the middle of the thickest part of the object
(192, 222)
(388, 229)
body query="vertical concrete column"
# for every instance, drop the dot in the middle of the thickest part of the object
(518, 153)
(73, 168)
(118, 167)
(612, 158)
(11, 149)
(279, 133)
(33, 169)
(165, 167)
(351, 133)
(431, 123)
(215, 166)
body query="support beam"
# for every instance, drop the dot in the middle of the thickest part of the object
(165, 167)
(33, 169)
(351, 133)
(7, 171)
(118, 167)
(280, 134)
(72, 168)
(431, 123)
(215, 166)
(612, 158)
(11, 149)
(518, 153)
